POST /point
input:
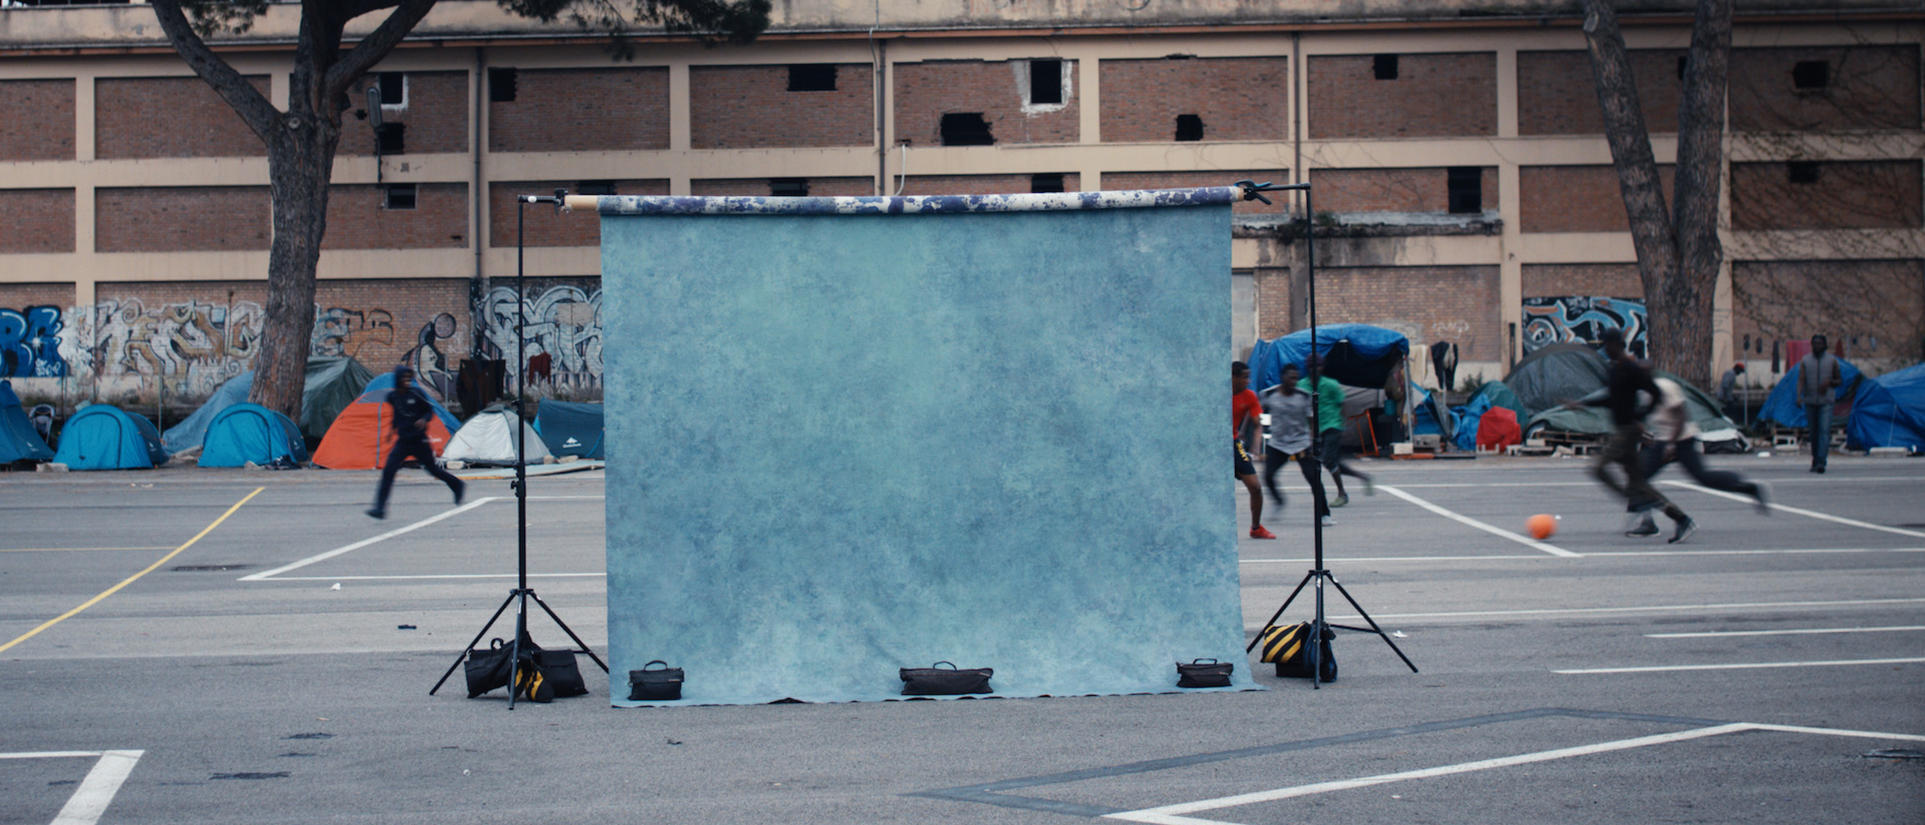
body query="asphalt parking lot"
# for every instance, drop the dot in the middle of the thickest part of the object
(200, 646)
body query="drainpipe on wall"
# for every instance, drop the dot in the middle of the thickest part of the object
(478, 285)
(880, 50)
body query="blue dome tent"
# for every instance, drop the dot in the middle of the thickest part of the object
(1782, 406)
(246, 432)
(18, 439)
(569, 428)
(105, 437)
(1890, 412)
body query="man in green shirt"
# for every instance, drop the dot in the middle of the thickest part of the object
(1329, 444)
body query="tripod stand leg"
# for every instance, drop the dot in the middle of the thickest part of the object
(471, 643)
(571, 633)
(1280, 608)
(1373, 625)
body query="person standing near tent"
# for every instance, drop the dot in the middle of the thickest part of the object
(1818, 382)
(1289, 410)
(1626, 379)
(1244, 407)
(411, 413)
(1728, 395)
(1676, 439)
(1329, 399)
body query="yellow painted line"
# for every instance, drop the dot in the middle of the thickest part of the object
(135, 577)
(74, 549)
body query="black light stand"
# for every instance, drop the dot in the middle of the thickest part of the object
(1318, 573)
(522, 592)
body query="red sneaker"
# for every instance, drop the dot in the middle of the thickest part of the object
(1260, 532)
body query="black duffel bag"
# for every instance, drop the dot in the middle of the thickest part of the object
(944, 681)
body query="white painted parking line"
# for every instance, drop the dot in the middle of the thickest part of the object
(1741, 666)
(1500, 532)
(274, 575)
(1655, 608)
(1710, 634)
(95, 792)
(1799, 511)
(1178, 814)
(1375, 559)
(1611, 554)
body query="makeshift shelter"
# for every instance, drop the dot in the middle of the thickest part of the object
(490, 438)
(105, 437)
(1782, 407)
(1466, 419)
(1716, 432)
(360, 437)
(19, 441)
(1429, 416)
(1554, 375)
(245, 433)
(1890, 412)
(1359, 355)
(1498, 429)
(331, 384)
(569, 428)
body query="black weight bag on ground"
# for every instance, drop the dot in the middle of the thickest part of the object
(1287, 646)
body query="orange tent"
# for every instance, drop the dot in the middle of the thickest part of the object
(362, 435)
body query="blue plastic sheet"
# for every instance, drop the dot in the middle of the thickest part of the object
(994, 438)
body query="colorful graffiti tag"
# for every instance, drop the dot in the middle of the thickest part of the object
(339, 331)
(1569, 319)
(562, 336)
(30, 343)
(195, 345)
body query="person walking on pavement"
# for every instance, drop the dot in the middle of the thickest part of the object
(1289, 410)
(1328, 395)
(1244, 408)
(1626, 379)
(1818, 381)
(1676, 439)
(1728, 396)
(411, 414)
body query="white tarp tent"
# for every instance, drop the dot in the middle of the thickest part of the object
(489, 438)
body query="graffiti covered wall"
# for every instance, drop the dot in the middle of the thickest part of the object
(1579, 319)
(562, 336)
(30, 342)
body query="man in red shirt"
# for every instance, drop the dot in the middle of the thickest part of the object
(1244, 409)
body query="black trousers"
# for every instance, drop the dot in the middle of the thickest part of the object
(1273, 460)
(1687, 454)
(405, 448)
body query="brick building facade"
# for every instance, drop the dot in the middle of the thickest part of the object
(1472, 154)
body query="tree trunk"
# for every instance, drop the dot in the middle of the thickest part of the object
(298, 172)
(1678, 255)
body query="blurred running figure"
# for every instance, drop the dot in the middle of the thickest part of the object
(1626, 379)
(1329, 399)
(411, 413)
(1244, 408)
(1677, 440)
(1289, 410)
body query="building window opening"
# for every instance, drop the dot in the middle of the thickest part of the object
(1466, 187)
(789, 187)
(1803, 171)
(1811, 75)
(1384, 66)
(394, 88)
(391, 137)
(1046, 183)
(1683, 61)
(812, 77)
(595, 187)
(501, 85)
(966, 129)
(1045, 82)
(399, 196)
(1189, 127)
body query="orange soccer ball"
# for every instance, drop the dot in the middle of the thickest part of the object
(1541, 526)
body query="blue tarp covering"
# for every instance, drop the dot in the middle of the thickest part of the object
(1890, 412)
(1465, 418)
(104, 437)
(1782, 404)
(1359, 355)
(250, 432)
(376, 392)
(569, 428)
(331, 384)
(880, 563)
(18, 439)
(192, 430)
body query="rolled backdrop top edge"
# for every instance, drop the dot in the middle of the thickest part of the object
(916, 205)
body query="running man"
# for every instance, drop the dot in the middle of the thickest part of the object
(1289, 410)
(1677, 440)
(1329, 398)
(411, 414)
(1626, 379)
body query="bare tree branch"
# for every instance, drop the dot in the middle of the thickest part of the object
(248, 102)
(406, 14)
